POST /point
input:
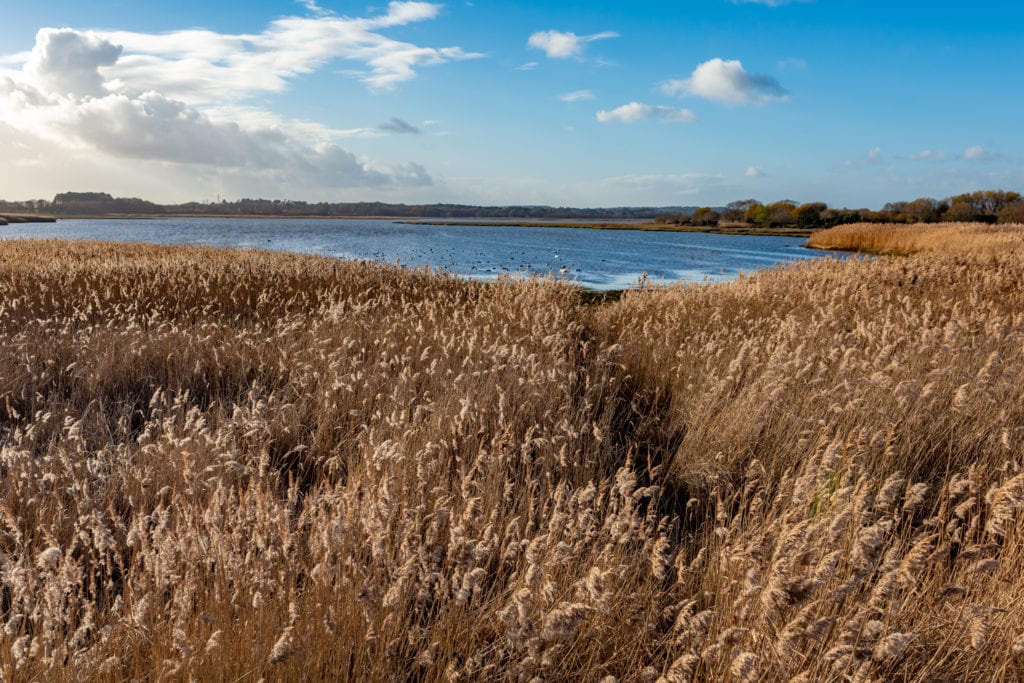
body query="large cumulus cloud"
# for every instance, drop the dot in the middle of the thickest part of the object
(179, 98)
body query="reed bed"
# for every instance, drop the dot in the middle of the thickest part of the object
(224, 465)
(894, 239)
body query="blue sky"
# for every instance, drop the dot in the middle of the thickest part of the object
(572, 103)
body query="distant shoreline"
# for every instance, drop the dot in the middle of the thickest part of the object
(21, 218)
(726, 229)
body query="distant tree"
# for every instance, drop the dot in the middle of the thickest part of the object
(756, 213)
(894, 212)
(923, 210)
(705, 216)
(782, 213)
(1012, 212)
(983, 205)
(962, 209)
(994, 201)
(65, 197)
(736, 211)
(808, 216)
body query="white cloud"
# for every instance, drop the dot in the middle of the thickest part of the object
(577, 96)
(636, 111)
(769, 3)
(793, 63)
(312, 7)
(928, 155)
(255, 118)
(200, 65)
(67, 62)
(528, 66)
(401, 13)
(151, 127)
(975, 153)
(753, 172)
(727, 82)
(872, 158)
(15, 59)
(559, 45)
(179, 98)
(401, 126)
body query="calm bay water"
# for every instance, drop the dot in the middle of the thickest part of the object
(599, 259)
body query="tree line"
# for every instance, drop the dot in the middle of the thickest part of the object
(103, 204)
(983, 206)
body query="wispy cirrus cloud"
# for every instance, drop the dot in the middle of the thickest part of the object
(563, 45)
(975, 153)
(972, 153)
(577, 96)
(792, 64)
(768, 3)
(312, 7)
(727, 82)
(637, 111)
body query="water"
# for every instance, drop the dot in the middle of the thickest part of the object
(598, 259)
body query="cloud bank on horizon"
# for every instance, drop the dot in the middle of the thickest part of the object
(198, 107)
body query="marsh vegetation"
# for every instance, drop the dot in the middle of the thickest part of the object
(228, 465)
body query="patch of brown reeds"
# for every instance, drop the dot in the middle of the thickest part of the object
(884, 238)
(222, 465)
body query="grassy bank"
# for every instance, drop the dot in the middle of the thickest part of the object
(241, 465)
(8, 218)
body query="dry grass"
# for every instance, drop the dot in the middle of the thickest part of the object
(240, 465)
(882, 238)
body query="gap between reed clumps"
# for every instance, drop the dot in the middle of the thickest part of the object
(227, 465)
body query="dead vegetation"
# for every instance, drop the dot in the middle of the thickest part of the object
(225, 465)
(883, 238)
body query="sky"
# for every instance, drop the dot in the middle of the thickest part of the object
(597, 103)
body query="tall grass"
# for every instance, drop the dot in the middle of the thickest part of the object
(881, 238)
(227, 465)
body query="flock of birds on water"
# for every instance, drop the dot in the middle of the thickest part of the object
(489, 264)
(480, 263)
